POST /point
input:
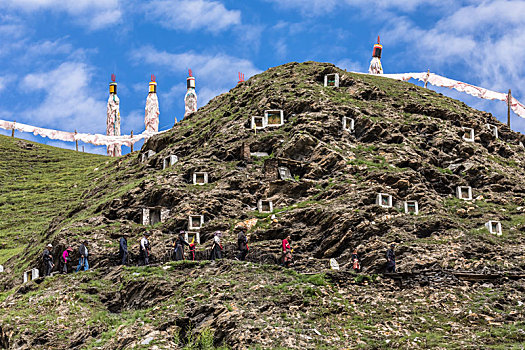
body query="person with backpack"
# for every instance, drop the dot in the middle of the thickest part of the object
(145, 249)
(216, 249)
(48, 260)
(83, 260)
(287, 252)
(179, 246)
(242, 244)
(65, 258)
(356, 263)
(123, 250)
(391, 259)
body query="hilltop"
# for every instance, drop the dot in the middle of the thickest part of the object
(407, 142)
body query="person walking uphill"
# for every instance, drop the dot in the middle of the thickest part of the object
(391, 259)
(83, 260)
(242, 244)
(179, 246)
(123, 250)
(287, 252)
(356, 264)
(216, 249)
(65, 258)
(145, 249)
(48, 260)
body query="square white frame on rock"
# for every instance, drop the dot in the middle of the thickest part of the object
(493, 129)
(30, 275)
(348, 124)
(1, 268)
(327, 80)
(460, 192)
(263, 204)
(145, 156)
(196, 234)
(254, 123)
(259, 154)
(273, 111)
(468, 134)
(494, 227)
(169, 161)
(380, 200)
(198, 176)
(162, 214)
(411, 207)
(200, 218)
(284, 173)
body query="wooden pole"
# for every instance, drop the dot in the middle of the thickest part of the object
(426, 81)
(82, 149)
(509, 99)
(76, 141)
(131, 142)
(13, 130)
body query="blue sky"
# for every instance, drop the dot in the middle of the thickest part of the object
(57, 56)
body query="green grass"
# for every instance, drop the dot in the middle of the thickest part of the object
(38, 182)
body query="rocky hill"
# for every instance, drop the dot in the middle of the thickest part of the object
(406, 144)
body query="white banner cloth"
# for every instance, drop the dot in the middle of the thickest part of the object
(438, 80)
(94, 139)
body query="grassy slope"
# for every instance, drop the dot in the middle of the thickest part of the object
(37, 182)
(47, 190)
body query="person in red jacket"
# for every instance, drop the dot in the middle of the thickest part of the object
(287, 252)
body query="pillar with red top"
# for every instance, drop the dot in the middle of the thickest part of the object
(375, 64)
(190, 100)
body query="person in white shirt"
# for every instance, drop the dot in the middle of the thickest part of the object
(145, 249)
(216, 250)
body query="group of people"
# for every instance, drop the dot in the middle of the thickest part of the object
(180, 242)
(83, 262)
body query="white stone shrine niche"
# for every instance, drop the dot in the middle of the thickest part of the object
(265, 206)
(188, 236)
(200, 178)
(258, 122)
(348, 124)
(259, 154)
(152, 216)
(273, 117)
(384, 200)
(147, 155)
(284, 173)
(464, 192)
(494, 227)
(30, 275)
(331, 80)
(411, 207)
(195, 222)
(493, 129)
(169, 161)
(468, 134)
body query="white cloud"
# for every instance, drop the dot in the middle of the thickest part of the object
(95, 14)
(484, 40)
(192, 14)
(218, 73)
(68, 103)
(311, 8)
(350, 65)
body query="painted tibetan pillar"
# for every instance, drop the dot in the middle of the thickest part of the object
(113, 118)
(151, 118)
(375, 64)
(190, 100)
